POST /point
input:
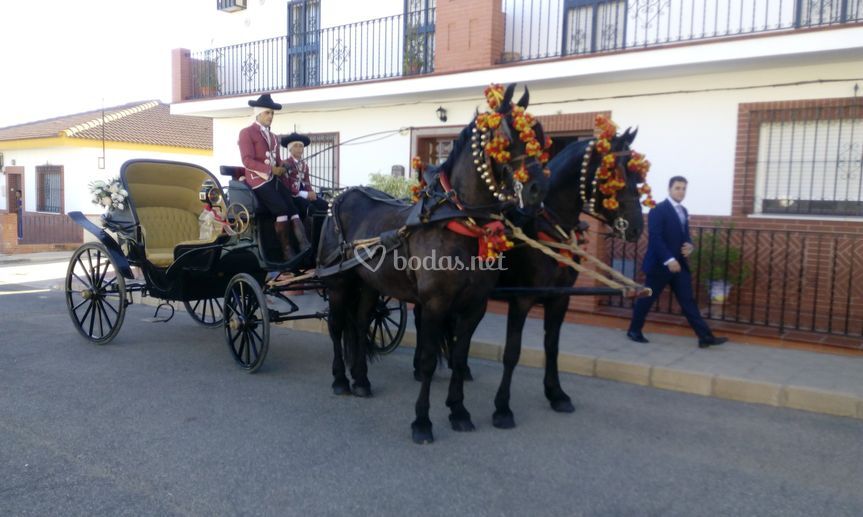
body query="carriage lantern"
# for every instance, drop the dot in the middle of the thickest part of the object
(210, 193)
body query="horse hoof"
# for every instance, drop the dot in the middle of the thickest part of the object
(562, 406)
(421, 434)
(341, 389)
(462, 424)
(362, 391)
(503, 420)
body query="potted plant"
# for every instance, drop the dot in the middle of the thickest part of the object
(417, 52)
(207, 78)
(718, 262)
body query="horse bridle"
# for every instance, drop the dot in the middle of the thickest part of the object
(485, 167)
(620, 224)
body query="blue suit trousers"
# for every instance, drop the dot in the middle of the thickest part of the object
(681, 286)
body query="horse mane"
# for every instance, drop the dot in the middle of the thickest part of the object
(563, 162)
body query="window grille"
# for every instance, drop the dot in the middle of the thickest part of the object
(49, 192)
(810, 162)
(594, 26)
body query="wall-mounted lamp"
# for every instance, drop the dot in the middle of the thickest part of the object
(441, 113)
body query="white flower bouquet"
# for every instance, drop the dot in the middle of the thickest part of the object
(109, 194)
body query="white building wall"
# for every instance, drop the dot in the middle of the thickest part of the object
(80, 167)
(687, 123)
(695, 134)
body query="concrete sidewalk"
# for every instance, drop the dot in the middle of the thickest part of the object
(31, 258)
(798, 379)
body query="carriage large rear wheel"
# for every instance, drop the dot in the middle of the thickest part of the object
(207, 312)
(247, 322)
(95, 293)
(389, 320)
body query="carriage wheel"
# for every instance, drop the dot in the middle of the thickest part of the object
(247, 322)
(95, 293)
(389, 320)
(207, 312)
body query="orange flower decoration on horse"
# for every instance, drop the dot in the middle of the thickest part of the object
(497, 149)
(606, 130)
(494, 95)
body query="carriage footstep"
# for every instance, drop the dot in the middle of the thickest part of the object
(155, 318)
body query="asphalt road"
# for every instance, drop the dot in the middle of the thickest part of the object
(161, 422)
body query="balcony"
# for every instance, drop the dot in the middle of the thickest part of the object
(382, 48)
(541, 30)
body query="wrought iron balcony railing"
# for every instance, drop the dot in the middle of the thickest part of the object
(381, 48)
(539, 30)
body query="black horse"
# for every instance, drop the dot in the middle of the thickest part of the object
(572, 192)
(482, 183)
(574, 189)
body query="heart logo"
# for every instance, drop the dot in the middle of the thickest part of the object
(365, 254)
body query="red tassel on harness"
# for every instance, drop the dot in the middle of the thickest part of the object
(491, 236)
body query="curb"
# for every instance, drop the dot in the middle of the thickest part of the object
(702, 383)
(685, 381)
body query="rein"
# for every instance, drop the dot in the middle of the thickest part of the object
(629, 287)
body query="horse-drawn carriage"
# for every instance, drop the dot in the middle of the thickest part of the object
(151, 244)
(467, 210)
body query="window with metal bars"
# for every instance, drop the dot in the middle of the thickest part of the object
(419, 33)
(322, 157)
(49, 188)
(827, 12)
(593, 25)
(304, 25)
(810, 161)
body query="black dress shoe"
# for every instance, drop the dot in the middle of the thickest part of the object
(638, 337)
(711, 341)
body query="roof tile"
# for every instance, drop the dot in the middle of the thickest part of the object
(138, 122)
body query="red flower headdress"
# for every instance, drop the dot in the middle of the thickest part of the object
(608, 179)
(496, 146)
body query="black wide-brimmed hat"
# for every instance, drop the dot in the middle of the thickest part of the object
(287, 140)
(265, 101)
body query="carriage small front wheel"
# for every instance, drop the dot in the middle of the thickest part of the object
(207, 312)
(95, 293)
(389, 319)
(246, 322)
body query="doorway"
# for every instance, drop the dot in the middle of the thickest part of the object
(13, 184)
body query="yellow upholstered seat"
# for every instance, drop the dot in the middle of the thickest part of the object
(164, 228)
(165, 197)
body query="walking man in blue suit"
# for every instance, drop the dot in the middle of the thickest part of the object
(665, 263)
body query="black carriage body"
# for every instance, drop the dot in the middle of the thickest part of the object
(157, 232)
(151, 246)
